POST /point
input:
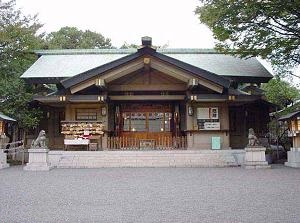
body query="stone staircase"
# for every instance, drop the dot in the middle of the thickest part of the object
(174, 158)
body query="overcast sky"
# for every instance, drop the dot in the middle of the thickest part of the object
(171, 22)
(166, 21)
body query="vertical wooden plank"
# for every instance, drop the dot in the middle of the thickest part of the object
(158, 143)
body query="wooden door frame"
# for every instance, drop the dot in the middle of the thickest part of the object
(147, 107)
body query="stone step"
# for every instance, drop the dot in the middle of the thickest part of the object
(83, 159)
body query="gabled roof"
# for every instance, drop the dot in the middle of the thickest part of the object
(141, 52)
(289, 116)
(51, 65)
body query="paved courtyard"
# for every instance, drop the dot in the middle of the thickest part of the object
(150, 195)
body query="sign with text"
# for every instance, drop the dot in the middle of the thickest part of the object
(212, 125)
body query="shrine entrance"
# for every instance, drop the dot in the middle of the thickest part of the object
(147, 125)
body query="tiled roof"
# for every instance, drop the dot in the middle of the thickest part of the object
(68, 63)
(142, 52)
(289, 116)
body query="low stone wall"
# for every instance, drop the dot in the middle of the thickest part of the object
(178, 158)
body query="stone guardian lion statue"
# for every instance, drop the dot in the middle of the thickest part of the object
(253, 141)
(40, 141)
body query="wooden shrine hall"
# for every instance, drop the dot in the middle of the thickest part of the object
(148, 99)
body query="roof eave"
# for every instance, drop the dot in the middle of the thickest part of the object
(194, 70)
(69, 82)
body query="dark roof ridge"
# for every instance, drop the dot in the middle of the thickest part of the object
(124, 51)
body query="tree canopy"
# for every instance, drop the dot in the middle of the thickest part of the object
(135, 46)
(280, 92)
(129, 46)
(18, 37)
(73, 38)
(269, 29)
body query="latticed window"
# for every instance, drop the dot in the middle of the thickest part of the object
(147, 121)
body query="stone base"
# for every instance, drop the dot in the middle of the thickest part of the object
(2, 165)
(294, 165)
(38, 160)
(37, 167)
(293, 158)
(256, 165)
(255, 158)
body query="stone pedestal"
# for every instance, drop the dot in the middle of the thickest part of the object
(3, 160)
(38, 160)
(255, 158)
(293, 158)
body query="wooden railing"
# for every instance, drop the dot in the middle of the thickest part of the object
(162, 143)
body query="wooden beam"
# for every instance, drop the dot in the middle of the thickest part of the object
(184, 76)
(46, 99)
(193, 83)
(82, 86)
(87, 98)
(150, 87)
(122, 71)
(212, 86)
(170, 71)
(100, 83)
(111, 75)
(147, 97)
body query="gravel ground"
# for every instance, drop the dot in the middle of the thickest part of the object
(150, 195)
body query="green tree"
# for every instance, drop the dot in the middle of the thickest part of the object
(280, 92)
(129, 46)
(135, 46)
(18, 37)
(73, 38)
(269, 29)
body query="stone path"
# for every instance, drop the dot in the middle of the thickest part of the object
(150, 195)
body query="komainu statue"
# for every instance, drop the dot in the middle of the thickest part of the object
(253, 141)
(40, 141)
